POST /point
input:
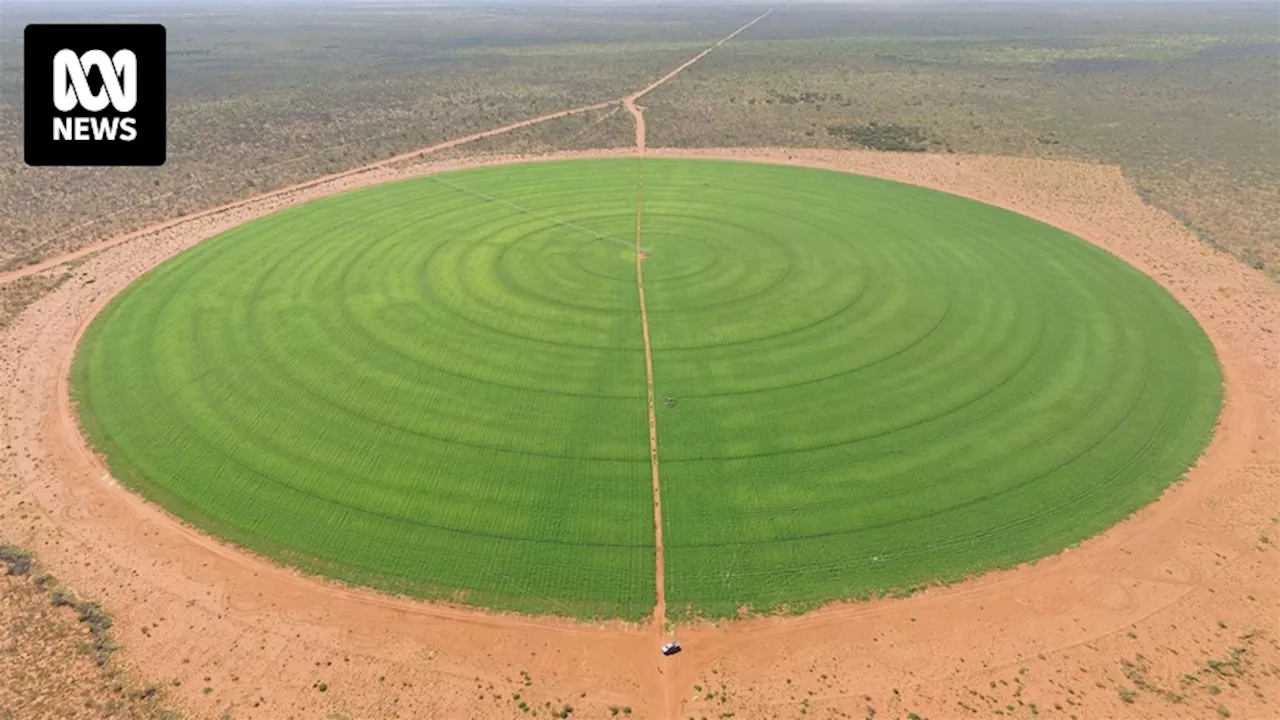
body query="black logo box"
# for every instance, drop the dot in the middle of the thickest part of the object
(41, 42)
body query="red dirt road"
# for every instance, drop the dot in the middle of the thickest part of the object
(637, 113)
(660, 563)
(35, 268)
(1177, 585)
(628, 101)
(654, 85)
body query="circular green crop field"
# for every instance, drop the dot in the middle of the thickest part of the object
(437, 386)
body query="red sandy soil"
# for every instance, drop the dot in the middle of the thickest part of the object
(1142, 607)
(47, 664)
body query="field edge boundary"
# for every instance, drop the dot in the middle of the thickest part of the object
(453, 609)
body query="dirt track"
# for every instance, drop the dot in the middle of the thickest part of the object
(291, 189)
(659, 552)
(628, 101)
(1185, 577)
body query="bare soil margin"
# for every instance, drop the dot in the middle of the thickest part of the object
(1173, 585)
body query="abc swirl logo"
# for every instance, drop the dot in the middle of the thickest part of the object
(71, 90)
(107, 105)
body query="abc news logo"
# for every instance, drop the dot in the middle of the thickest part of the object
(71, 89)
(107, 105)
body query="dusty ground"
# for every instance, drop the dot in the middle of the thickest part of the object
(1171, 614)
(56, 653)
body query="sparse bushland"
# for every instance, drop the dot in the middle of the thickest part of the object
(1180, 96)
(1175, 95)
(264, 98)
(890, 137)
(17, 295)
(56, 652)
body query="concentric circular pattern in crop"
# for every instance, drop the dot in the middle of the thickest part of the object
(437, 386)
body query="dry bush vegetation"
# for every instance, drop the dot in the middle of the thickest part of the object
(264, 97)
(17, 295)
(1231, 668)
(1185, 97)
(55, 653)
(610, 127)
(1182, 96)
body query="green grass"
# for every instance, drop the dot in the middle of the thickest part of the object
(426, 389)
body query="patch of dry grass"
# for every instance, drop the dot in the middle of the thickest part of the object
(51, 663)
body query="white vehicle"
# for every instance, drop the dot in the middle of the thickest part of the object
(671, 648)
